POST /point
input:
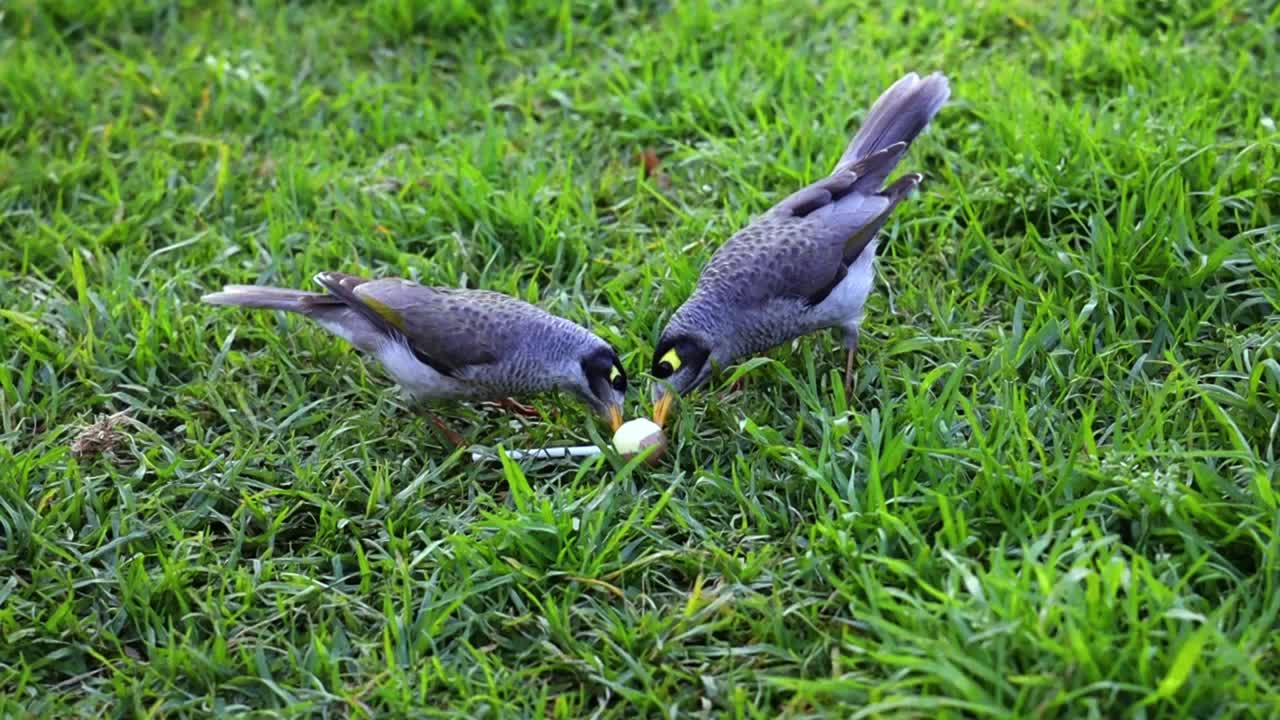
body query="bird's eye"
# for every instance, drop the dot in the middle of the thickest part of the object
(617, 380)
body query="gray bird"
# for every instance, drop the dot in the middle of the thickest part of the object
(807, 263)
(454, 344)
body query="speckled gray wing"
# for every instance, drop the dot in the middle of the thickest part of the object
(797, 249)
(451, 330)
(454, 329)
(802, 247)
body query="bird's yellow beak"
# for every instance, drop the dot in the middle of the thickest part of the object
(615, 417)
(662, 407)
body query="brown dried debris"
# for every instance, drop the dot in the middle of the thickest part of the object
(102, 437)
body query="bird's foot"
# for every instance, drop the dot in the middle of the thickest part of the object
(454, 438)
(848, 373)
(511, 405)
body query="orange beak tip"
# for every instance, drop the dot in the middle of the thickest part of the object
(662, 408)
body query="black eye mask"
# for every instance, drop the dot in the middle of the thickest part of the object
(618, 378)
(677, 354)
(604, 368)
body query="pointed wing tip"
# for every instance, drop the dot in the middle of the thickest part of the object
(904, 185)
(334, 281)
(862, 167)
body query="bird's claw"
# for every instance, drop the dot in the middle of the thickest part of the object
(511, 405)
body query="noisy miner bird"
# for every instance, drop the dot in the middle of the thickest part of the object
(806, 264)
(454, 344)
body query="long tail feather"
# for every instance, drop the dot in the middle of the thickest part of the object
(331, 312)
(898, 116)
(267, 298)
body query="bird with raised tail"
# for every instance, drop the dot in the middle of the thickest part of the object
(454, 344)
(806, 264)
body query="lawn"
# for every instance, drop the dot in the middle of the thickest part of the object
(1053, 491)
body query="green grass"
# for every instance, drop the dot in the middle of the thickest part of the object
(1052, 494)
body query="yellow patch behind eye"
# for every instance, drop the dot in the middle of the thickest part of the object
(614, 372)
(672, 359)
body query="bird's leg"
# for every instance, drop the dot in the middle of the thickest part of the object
(848, 373)
(851, 349)
(454, 438)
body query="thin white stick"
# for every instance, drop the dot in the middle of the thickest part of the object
(550, 453)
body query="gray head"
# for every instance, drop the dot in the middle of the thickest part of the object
(681, 361)
(601, 382)
(696, 336)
